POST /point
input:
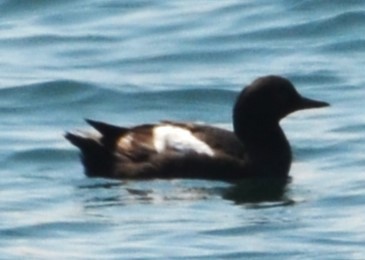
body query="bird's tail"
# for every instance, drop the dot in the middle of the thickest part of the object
(96, 158)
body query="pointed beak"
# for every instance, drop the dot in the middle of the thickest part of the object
(307, 103)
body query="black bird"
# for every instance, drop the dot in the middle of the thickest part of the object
(257, 148)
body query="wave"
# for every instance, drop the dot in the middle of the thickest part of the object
(62, 92)
(40, 95)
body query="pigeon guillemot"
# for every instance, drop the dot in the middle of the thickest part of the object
(256, 148)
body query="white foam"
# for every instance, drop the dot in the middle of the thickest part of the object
(167, 137)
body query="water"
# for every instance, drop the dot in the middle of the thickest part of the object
(130, 62)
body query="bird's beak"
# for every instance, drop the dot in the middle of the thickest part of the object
(307, 103)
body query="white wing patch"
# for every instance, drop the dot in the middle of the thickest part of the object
(167, 137)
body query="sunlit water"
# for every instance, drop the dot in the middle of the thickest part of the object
(131, 62)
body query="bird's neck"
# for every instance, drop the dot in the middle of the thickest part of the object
(268, 150)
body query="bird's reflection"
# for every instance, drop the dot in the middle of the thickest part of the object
(101, 193)
(258, 190)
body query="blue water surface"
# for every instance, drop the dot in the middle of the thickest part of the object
(130, 62)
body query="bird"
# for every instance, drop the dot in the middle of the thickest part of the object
(256, 148)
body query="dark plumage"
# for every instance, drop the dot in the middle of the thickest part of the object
(256, 148)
